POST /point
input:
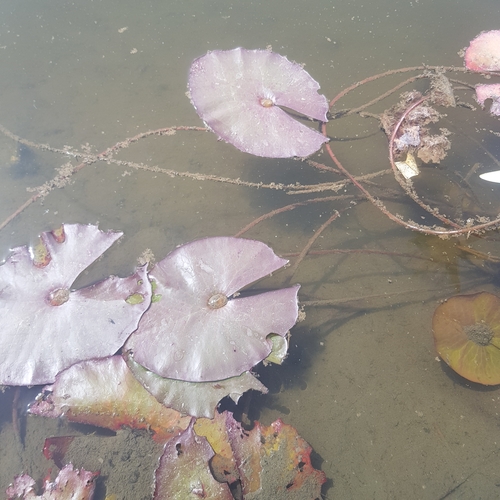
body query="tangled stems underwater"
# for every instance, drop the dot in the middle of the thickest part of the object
(414, 112)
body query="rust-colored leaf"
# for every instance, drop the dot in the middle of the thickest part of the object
(105, 393)
(271, 461)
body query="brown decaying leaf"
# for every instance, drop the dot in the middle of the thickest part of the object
(70, 484)
(106, 394)
(271, 461)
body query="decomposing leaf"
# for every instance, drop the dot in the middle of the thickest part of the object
(184, 471)
(413, 134)
(198, 399)
(105, 393)
(490, 91)
(56, 447)
(408, 168)
(434, 148)
(196, 329)
(238, 94)
(279, 350)
(271, 461)
(70, 484)
(47, 327)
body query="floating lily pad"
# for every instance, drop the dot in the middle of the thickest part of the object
(46, 326)
(70, 484)
(483, 53)
(238, 94)
(196, 329)
(198, 399)
(105, 393)
(467, 336)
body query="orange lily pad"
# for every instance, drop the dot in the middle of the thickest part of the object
(467, 336)
(271, 461)
(104, 392)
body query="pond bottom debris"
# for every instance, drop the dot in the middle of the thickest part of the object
(70, 484)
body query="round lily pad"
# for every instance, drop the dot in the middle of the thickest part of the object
(483, 53)
(467, 336)
(238, 94)
(198, 328)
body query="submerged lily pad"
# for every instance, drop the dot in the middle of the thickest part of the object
(270, 461)
(238, 94)
(467, 336)
(70, 484)
(196, 330)
(46, 326)
(197, 399)
(184, 471)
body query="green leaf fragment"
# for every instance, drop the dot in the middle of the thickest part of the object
(135, 298)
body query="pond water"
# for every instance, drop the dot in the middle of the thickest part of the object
(362, 384)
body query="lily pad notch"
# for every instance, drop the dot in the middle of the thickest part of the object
(238, 93)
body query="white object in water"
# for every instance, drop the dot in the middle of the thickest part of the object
(491, 176)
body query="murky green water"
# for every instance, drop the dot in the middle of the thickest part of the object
(362, 383)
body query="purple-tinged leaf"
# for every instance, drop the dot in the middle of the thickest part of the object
(238, 94)
(195, 329)
(184, 471)
(197, 399)
(104, 392)
(46, 326)
(489, 91)
(70, 484)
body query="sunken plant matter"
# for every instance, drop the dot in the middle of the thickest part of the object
(192, 339)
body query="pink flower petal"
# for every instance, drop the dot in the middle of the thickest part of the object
(184, 470)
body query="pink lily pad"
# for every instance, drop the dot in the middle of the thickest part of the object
(483, 53)
(238, 94)
(184, 471)
(70, 484)
(196, 329)
(46, 326)
(491, 91)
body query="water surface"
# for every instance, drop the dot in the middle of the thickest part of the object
(362, 384)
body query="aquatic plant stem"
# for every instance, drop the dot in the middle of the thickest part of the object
(393, 72)
(309, 244)
(287, 208)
